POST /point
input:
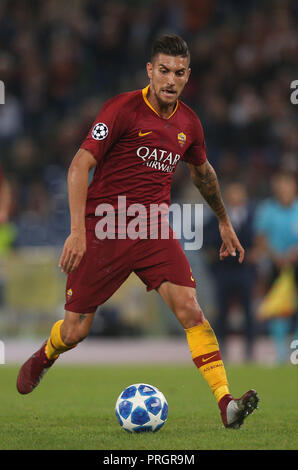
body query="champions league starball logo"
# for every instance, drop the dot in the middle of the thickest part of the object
(100, 131)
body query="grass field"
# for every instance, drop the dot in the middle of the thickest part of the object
(73, 408)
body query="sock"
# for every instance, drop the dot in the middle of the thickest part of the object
(205, 353)
(55, 346)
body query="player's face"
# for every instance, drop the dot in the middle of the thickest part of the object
(285, 189)
(168, 76)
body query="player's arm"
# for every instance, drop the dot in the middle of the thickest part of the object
(205, 179)
(75, 245)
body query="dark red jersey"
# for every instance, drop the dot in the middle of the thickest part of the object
(137, 151)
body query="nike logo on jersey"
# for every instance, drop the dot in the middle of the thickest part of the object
(141, 134)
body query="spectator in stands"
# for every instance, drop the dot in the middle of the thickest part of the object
(233, 282)
(58, 61)
(276, 226)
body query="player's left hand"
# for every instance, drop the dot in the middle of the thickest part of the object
(230, 242)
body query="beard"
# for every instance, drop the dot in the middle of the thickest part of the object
(163, 102)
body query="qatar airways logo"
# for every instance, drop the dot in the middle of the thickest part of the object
(159, 159)
(136, 221)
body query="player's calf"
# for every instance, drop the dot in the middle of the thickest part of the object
(184, 304)
(75, 328)
(190, 313)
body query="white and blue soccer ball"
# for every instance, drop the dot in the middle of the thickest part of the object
(141, 407)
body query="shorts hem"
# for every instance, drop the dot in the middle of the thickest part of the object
(157, 284)
(80, 310)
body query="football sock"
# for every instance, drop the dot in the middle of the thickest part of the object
(205, 353)
(55, 345)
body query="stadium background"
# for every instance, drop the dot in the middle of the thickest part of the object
(59, 61)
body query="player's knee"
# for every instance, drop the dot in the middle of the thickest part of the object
(189, 313)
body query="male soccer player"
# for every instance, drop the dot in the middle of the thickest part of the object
(135, 145)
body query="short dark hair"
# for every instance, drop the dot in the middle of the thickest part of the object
(170, 44)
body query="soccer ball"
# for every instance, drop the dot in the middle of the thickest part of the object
(141, 408)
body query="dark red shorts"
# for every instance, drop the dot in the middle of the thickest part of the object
(108, 263)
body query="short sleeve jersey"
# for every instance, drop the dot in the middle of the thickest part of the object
(137, 151)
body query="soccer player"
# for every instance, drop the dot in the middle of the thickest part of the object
(135, 145)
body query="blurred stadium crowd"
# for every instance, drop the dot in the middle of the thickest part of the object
(61, 59)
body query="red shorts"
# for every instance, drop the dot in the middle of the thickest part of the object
(107, 263)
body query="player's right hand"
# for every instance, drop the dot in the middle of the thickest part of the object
(230, 242)
(73, 251)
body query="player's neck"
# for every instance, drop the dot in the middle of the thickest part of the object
(164, 111)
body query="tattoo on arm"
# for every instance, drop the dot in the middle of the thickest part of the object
(207, 184)
(82, 317)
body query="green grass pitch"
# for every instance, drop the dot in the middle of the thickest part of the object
(73, 408)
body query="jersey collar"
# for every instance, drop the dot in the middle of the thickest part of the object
(145, 93)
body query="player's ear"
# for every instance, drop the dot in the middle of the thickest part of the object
(149, 70)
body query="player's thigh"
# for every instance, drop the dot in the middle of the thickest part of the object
(156, 261)
(183, 302)
(102, 270)
(76, 326)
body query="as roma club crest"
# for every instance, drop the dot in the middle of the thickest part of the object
(69, 293)
(181, 138)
